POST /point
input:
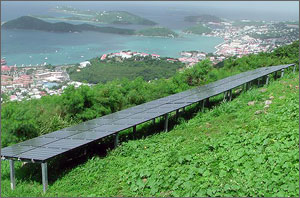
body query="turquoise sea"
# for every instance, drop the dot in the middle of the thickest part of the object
(37, 47)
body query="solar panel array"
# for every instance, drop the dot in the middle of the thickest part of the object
(53, 144)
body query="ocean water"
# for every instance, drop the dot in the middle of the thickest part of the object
(37, 47)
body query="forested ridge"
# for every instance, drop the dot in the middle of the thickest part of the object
(28, 119)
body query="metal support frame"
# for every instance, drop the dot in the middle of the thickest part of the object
(282, 73)
(203, 105)
(258, 82)
(12, 174)
(177, 113)
(166, 122)
(44, 176)
(116, 142)
(267, 79)
(153, 121)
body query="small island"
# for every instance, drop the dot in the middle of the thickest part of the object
(103, 17)
(198, 29)
(205, 18)
(158, 32)
(32, 23)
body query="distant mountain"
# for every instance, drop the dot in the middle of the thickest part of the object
(205, 18)
(32, 23)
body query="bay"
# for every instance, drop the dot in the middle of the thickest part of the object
(37, 47)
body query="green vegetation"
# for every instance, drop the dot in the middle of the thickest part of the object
(205, 18)
(157, 31)
(107, 17)
(198, 29)
(147, 68)
(229, 151)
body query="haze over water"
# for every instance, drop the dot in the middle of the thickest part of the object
(36, 47)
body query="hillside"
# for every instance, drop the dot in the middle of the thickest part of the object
(198, 29)
(146, 68)
(237, 149)
(205, 18)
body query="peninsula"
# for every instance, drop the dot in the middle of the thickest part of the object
(32, 23)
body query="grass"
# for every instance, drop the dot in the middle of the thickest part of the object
(234, 149)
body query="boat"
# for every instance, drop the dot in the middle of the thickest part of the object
(46, 58)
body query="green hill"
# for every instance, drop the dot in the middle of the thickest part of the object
(230, 150)
(146, 68)
(32, 23)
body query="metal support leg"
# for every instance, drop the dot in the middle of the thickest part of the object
(267, 79)
(230, 94)
(116, 139)
(153, 121)
(258, 82)
(177, 113)
(44, 176)
(275, 75)
(166, 122)
(12, 174)
(134, 129)
(294, 69)
(183, 109)
(203, 105)
(282, 73)
(225, 96)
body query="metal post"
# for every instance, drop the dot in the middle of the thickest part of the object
(225, 96)
(153, 121)
(12, 174)
(230, 94)
(116, 139)
(275, 75)
(267, 79)
(294, 68)
(282, 73)
(166, 122)
(183, 109)
(258, 82)
(134, 129)
(203, 104)
(44, 176)
(177, 113)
